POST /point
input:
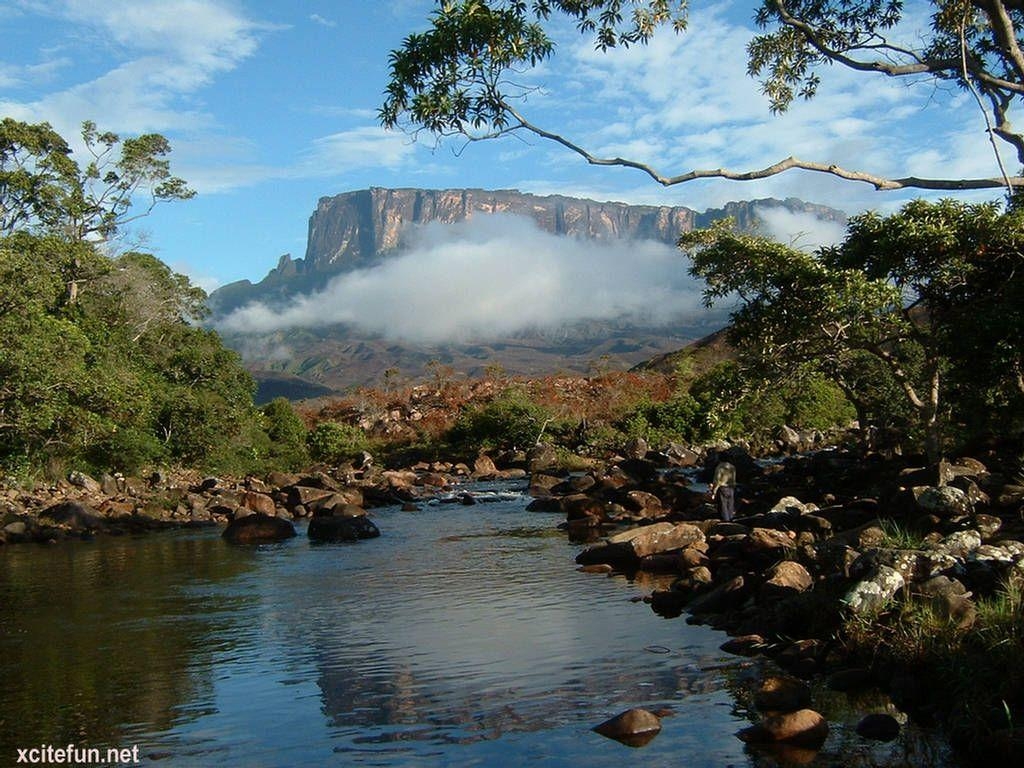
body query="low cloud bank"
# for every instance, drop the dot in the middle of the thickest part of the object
(489, 277)
(799, 229)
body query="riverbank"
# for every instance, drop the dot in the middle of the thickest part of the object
(81, 507)
(869, 572)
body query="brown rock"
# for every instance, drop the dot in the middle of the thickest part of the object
(484, 466)
(258, 529)
(782, 694)
(634, 727)
(258, 502)
(745, 645)
(805, 727)
(880, 727)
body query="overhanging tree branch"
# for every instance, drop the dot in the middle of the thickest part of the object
(786, 164)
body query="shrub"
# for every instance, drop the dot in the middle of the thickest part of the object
(510, 420)
(334, 442)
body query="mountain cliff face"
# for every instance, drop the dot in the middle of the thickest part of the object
(358, 229)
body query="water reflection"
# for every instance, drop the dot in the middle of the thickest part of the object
(97, 636)
(463, 636)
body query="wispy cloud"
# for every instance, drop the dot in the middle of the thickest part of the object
(164, 51)
(316, 18)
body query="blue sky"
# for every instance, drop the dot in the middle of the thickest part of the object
(271, 105)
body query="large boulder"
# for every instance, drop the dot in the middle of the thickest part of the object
(73, 515)
(341, 528)
(873, 593)
(258, 529)
(627, 548)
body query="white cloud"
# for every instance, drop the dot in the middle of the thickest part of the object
(316, 18)
(362, 147)
(489, 277)
(799, 229)
(164, 52)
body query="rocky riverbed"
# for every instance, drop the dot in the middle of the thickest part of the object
(821, 543)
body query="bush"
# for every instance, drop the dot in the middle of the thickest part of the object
(287, 434)
(335, 443)
(679, 418)
(510, 420)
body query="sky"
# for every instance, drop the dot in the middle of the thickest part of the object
(271, 105)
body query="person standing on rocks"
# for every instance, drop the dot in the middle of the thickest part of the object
(723, 490)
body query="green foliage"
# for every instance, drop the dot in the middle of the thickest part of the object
(510, 420)
(680, 418)
(454, 77)
(912, 314)
(286, 434)
(99, 364)
(335, 443)
(43, 189)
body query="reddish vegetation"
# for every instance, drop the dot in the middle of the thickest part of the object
(429, 409)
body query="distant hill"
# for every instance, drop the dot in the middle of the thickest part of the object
(361, 229)
(695, 358)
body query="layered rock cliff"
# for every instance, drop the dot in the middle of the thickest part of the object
(358, 229)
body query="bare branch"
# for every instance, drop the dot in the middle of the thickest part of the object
(789, 163)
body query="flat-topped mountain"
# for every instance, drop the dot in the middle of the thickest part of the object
(370, 229)
(359, 229)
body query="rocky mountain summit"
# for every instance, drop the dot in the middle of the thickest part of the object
(359, 229)
(364, 228)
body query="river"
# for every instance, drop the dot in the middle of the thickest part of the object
(462, 636)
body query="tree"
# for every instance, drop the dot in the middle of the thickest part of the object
(458, 78)
(43, 189)
(901, 299)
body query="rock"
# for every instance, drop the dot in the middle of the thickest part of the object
(74, 515)
(82, 480)
(789, 439)
(681, 456)
(258, 529)
(643, 503)
(745, 645)
(782, 694)
(338, 528)
(628, 547)
(880, 727)
(636, 448)
(959, 544)
(874, 592)
(786, 578)
(769, 540)
(634, 727)
(305, 495)
(727, 595)
(484, 466)
(16, 528)
(541, 457)
(259, 502)
(792, 505)
(805, 727)
(946, 502)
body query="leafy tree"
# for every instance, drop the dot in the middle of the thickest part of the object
(899, 298)
(287, 434)
(334, 442)
(510, 420)
(44, 190)
(459, 77)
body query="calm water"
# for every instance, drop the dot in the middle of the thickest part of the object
(463, 636)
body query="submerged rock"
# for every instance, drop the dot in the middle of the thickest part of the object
(805, 727)
(634, 727)
(337, 528)
(258, 529)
